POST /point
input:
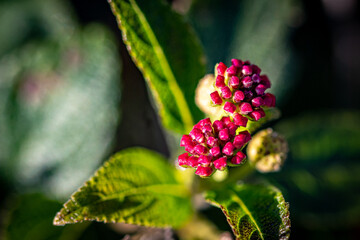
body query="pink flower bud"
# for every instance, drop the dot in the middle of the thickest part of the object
(203, 122)
(196, 134)
(247, 82)
(183, 160)
(248, 95)
(218, 125)
(246, 70)
(220, 163)
(200, 149)
(221, 68)
(205, 160)
(226, 121)
(232, 70)
(193, 161)
(215, 98)
(265, 81)
(224, 134)
(257, 102)
(242, 138)
(232, 129)
(204, 171)
(228, 149)
(225, 92)
(238, 158)
(206, 128)
(256, 78)
(215, 151)
(234, 82)
(220, 81)
(185, 140)
(256, 115)
(260, 89)
(245, 108)
(189, 147)
(230, 107)
(237, 63)
(212, 142)
(238, 96)
(240, 120)
(255, 69)
(269, 100)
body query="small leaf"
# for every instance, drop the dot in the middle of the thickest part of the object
(253, 211)
(135, 186)
(169, 55)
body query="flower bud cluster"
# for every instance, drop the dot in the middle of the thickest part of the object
(213, 146)
(240, 90)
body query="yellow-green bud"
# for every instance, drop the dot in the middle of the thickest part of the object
(267, 151)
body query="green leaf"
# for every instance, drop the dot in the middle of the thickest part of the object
(135, 186)
(30, 217)
(169, 55)
(253, 211)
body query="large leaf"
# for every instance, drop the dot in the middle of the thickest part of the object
(169, 55)
(30, 217)
(135, 186)
(58, 110)
(253, 211)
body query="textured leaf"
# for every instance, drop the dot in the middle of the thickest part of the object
(253, 211)
(169, 55)
(135, 186)
(58, 110)
(30, 217)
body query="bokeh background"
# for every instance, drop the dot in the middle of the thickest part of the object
(70, 96)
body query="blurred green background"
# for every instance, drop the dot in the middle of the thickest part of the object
(70, 96)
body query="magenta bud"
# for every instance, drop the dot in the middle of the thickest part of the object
(248, 94)
(212, 142)
(215, 151)
(234, 82)
(238, 96)
(256, 115)
(260, 89)
(225, 92)
(206, 128)
(232, 70)
(256, 78)
(205, 160)
(257, 102)
(193, 161)
(204, 171)
(261, 111)
(242, 138)
(255, 69)
(238, 158)
(247, 62)
(237, 63)
(269, 100)
(240, 120)
(247, 82)
(195, 133)
(224, 134)
(220, 81)
(245, 108)
(200, 149)
(183, 160)
(220, 163)
(228, 149)
(215, 98)
(232, 129)
(221, 68)
(265, 81)
(218, 125)
(185, 139)
(229, 107)
(246, 70)
(204, 122)
(226, 120)
(189, 147)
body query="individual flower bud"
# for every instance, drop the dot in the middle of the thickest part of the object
(246, 70)
(240, 120)
(220, 81)
(200, 149)
(265, 81)
(215, 151)
(256, 78)
(215, 98)
(226, 92)
(245, 108)
(238, 158)
(185, 140)
(232, 70)
(221, 68)
(260, 89)
(204, 171)
(237, 63)
(204, 160)
(267, 151)
(269, 100)
(220, 163)
(257, 102)
(230, 107)
(255, 69)
(238, 96)
(228, 149)
(247, 82)
(193, 161)
(211, 142)
(224, 134)
(234, 82)
(183, 160)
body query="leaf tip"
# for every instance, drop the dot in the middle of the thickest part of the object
(59, 219)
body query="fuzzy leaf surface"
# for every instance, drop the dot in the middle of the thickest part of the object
(169, 55)
(135, 186)
(253, 211)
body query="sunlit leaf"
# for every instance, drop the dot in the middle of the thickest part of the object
(169, 55)
(135, 186)
(253, 211)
